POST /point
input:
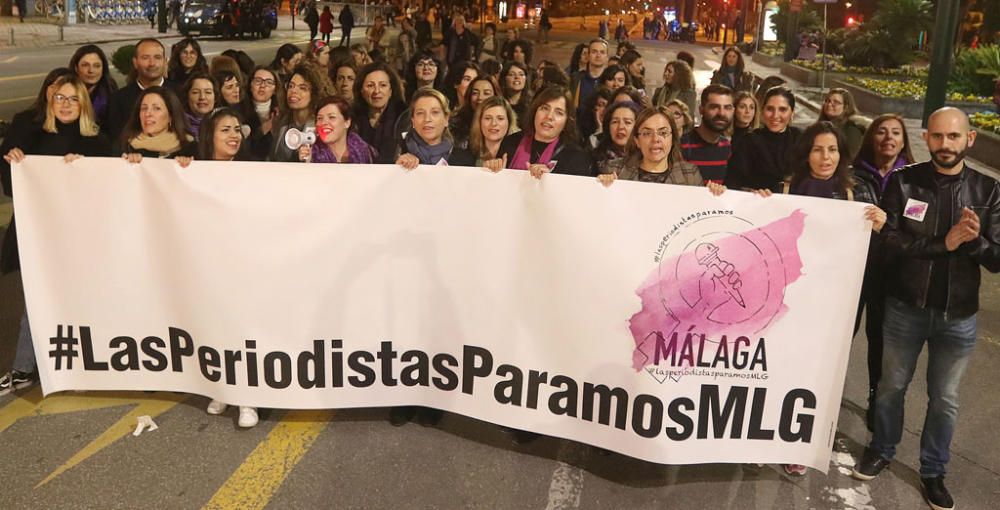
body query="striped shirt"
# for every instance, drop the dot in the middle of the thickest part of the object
(711, 159)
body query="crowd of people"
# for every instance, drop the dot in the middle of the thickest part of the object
(481, 101)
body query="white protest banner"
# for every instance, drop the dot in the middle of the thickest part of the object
(653, 320)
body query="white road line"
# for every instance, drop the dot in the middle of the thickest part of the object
(567, 479)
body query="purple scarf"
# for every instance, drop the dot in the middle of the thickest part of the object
(194, 124)
(100, 101)
(522, 156)
(884, 180)
(358, 151)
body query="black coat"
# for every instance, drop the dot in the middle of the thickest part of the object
(570, 159)
(762, 159)
(382, 136)
(66, 141)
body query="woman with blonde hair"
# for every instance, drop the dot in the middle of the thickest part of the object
(493, 120)
(70, 130)
(428, 142)
(746, 116)
(682, 116)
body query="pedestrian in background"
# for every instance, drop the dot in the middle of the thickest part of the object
(312, 19)
(326, 24)
(346, 19)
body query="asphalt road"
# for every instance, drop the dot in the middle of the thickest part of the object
(75, 450)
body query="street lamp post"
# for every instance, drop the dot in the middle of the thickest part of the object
(941, 55)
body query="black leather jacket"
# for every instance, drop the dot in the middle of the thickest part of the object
(910, 245)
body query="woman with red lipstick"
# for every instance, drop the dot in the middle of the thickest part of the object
(620, 121)
(493, 120)
(200, 95)
(550, 141)
(336, 142)
(157, 128)
(761, 159)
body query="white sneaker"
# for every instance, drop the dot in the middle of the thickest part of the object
(248, 417)
(216, 407)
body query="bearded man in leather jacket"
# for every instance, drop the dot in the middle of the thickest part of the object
(943, 223)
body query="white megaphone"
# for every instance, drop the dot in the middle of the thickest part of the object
(295, 138)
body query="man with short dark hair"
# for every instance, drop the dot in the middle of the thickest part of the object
(584, 82)
(149, 66)
(706, 146)
(943, 224)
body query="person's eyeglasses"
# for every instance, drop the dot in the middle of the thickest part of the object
(648, 133)
(426, 63)
(59, 98)
(262, 82)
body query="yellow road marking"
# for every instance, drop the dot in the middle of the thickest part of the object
(32, 404)
(254, 483)
(23, 77)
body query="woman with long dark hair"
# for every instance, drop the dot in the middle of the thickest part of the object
(592, 121)
(262, 106)
(732, 73)
(91, 65)
(457, 81)
(514, 81)
(221, 137)
(157, 128)
(477, 91)
(620, 120)
(69, 128)
(378, 103)
(678, 83)
(200, 96)
(633, 64)
(578, 62)
(884, 150)
(550, 141)
(761, 159)
(286, 58)
(614, 77)
(336, 140)
(186, 58)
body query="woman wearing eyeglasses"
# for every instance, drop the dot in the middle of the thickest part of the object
(69, 129)
(261, 108)
(424, 70)
(653, 154)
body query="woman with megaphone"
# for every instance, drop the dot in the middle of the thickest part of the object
(307, 85)
(336, 142)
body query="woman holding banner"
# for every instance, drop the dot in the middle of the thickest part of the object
(493, 121)
(428, 142)
(157, 128)
(550, 140)
(336, 142)
(653, 154)
(69, 129)
(821, 169)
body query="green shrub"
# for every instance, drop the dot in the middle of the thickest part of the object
(122, 59)
(889, 39)
(809, 19)
(976, 70)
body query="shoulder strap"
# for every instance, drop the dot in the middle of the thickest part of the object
(785, 187)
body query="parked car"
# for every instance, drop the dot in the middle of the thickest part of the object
(229, 18)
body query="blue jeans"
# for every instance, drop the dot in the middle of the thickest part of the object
(949, 345)
(24, 357)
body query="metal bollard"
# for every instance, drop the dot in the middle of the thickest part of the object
(11, 36)
(62, 36)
